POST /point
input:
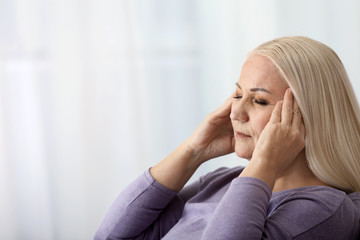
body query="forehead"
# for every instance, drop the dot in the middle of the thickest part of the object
(260, 72)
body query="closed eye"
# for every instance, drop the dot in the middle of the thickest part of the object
(260, 102)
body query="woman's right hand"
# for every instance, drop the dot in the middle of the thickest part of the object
(214, 137)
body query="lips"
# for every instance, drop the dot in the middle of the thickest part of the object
(241, 135)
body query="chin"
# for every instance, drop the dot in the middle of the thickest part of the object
(243, 153)
(244, 149)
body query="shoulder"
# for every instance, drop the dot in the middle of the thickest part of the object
(319, 210)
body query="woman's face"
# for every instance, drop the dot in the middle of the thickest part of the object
(259, 88)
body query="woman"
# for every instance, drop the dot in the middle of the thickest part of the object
(295, 117)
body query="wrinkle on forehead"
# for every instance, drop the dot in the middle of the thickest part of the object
(266, 64)
(264, 67)
(260, 72)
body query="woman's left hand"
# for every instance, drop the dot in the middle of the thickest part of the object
(280, 142)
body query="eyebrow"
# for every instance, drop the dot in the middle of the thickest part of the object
(255, 89)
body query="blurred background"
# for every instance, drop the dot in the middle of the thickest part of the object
(93, 93)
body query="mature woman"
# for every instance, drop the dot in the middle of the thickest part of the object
(294, 115)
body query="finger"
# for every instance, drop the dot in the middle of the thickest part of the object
(225, 108)
(297, 119)
(287, 109)
(276, 113)
(229, 100)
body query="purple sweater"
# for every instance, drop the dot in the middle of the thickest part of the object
(222, 206)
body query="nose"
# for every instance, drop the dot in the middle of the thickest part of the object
(239, 111)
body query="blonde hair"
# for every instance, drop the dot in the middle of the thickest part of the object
(328, 105)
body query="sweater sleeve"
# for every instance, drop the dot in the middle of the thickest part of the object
(242, 211)
(316, 213)
(144, 210)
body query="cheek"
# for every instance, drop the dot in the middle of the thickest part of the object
(260, 122)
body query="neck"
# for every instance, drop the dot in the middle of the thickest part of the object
(297, 174)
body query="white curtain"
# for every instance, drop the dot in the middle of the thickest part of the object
(93, 93)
